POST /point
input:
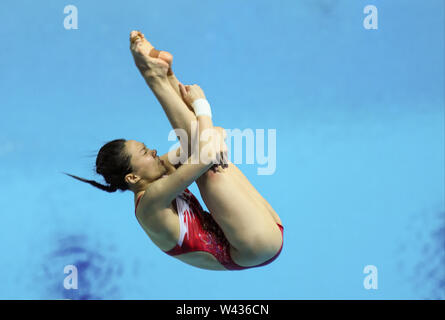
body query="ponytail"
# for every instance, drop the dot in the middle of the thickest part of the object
(113, 163)
(108, 188)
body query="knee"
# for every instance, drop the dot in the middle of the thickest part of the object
(207, 177)
(214, 173)
(262, 246)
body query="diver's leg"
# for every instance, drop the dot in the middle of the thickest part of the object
(246, 222)
(167, 57)
(251, 190)
(179, 115)
(174, 82)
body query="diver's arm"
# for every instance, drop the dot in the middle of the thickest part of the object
(161, 192)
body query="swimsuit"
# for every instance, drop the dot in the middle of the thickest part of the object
(200, 232)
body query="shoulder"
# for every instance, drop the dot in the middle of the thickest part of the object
(146, 204)
(152, 213)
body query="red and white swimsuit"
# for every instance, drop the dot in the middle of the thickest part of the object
(193, 237)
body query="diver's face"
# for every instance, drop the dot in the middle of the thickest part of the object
(145, 162)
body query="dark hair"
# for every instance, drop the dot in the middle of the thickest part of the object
(113, 163)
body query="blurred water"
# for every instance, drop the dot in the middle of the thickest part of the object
(360, 135)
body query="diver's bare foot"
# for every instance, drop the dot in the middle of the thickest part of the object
(167, 57)
(163, 55)
(150, 62)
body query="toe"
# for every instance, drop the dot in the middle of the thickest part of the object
(140, 45)
(135, 36)
(166, 56)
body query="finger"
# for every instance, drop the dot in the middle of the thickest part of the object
(224, 133)
(221, 159)
(182, 89)
(224, 159)
(218, 158)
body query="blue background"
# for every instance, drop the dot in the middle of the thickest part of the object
(360, 143)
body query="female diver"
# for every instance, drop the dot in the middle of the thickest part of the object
(241, 231)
